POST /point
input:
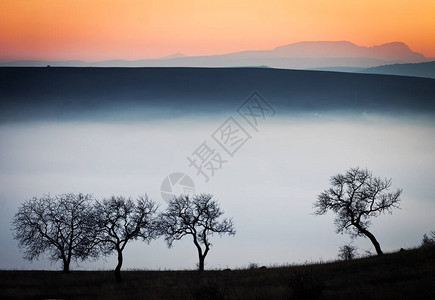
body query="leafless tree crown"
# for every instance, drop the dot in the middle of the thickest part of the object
(198, 217)
(61, 226)
(355, 197)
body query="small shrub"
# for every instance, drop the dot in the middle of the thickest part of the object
(253, 266)
(428, 241)
(368, 253)
(347, 252)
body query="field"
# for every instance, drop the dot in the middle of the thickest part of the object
(402, 275)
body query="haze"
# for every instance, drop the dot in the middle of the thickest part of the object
(268, 187)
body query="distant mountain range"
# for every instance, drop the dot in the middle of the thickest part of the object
(341, 56)
(175, 55)
(396, 51)
(300, 55)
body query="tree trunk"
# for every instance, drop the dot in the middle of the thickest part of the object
(66, 262)
(65, 266)
(200, 255)
(372, 239)
(201, 263)
(118, 267)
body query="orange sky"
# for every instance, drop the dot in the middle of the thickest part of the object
(132, 29)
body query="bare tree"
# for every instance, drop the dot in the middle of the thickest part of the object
(62, 226)
(197, 217)
(355, 197)
(121, 220)
(347, 252)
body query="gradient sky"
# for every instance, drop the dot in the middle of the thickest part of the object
(134, 29)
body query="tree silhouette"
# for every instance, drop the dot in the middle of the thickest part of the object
(347, 252)
(197, 217)
(63, 227)
(355, 197)
(121, 220)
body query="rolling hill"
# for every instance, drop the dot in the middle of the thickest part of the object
(141, 93)
(401, 275)
(425, 69)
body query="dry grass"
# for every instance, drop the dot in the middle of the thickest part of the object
(401, 275)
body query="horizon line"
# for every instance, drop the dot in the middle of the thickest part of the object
(167, 56)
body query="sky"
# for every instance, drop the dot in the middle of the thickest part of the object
(137, 29)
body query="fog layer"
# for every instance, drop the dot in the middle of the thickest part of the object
(267, 187)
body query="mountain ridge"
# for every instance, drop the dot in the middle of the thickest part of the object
(300, 55)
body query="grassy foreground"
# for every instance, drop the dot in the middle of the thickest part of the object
(402, 275)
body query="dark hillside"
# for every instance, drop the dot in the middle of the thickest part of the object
(402, 275)
(116, 93)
